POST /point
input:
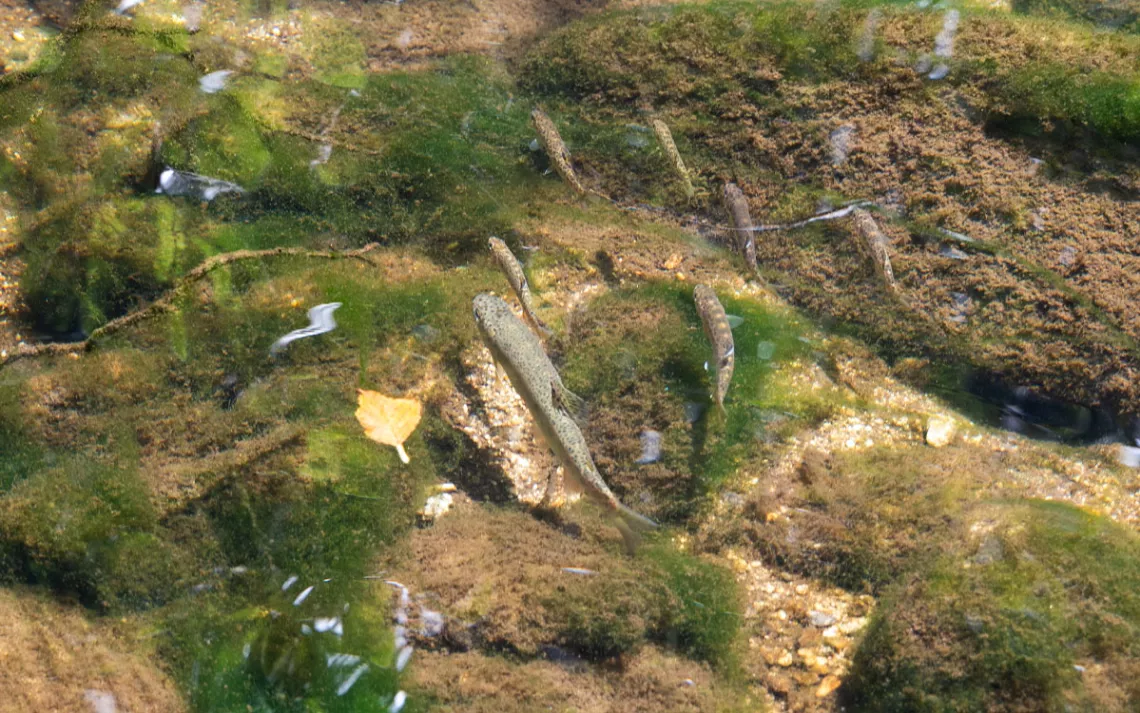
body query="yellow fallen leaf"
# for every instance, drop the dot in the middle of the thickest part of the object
(386, 420)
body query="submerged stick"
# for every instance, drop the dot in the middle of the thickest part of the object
(166, 302)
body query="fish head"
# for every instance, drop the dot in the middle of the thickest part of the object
(495, 244)
(490, 312)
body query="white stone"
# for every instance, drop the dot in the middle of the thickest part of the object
(940, 431)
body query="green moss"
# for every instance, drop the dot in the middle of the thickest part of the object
(1119, 14)
(713, 58)
(866, 518)
(64, 525)
(704, 616)
(665, 595)
(1001, 627)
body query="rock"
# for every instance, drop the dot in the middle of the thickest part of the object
(786, 659)
(940, 431)
(828, 686)
(821, 619)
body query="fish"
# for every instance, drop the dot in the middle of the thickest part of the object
(741, 221)
(874, 244)
(719, 333)
(320, 322)
(552, 143)
(665, 138)
(214, 82)
(518, 351)
(514, 272)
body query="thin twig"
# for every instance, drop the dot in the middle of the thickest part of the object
(166, 302)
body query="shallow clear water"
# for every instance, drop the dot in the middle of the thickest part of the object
(356, 356)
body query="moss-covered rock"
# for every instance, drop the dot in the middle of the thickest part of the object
(637, 355)
(1116, 14)
(1037, 608)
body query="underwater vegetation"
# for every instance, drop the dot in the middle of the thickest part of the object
(190, 464)
(1042, 613)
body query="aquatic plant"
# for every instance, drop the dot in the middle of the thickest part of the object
(1049, 594)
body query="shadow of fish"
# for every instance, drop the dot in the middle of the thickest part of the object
(320, 322)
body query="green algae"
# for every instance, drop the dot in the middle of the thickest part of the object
(76, 526)
(648, 373)
(1050, 589)
(1123, 15)
(792, 42)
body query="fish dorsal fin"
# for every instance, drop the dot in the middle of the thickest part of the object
(573, 405)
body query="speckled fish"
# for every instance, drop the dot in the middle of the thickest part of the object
(551, 142)
(514, 272)
(875, 245)
(517, 350)
(741, 221)
(720, 334)
(665, 138)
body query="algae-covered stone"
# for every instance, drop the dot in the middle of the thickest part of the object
(1048, 620)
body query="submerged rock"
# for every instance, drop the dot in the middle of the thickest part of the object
(940, 431)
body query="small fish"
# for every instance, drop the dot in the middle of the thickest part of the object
(184, 183)
(552, 143)
(741, 221)
(515, 276)
(665, 138)
(875, 245)
(320, 322)
(719, 333)
(519, 352)
(214, 82)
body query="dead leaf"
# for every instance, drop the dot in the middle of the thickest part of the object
(386, 420)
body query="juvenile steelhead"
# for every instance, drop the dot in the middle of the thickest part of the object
(514, 272)
(720, 334)
(873, 243)
(665, 138)
(551, 142)
(741, 221)
(517, 350)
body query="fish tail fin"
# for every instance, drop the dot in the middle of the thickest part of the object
(631, 524)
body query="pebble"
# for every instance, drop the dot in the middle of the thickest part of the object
(827, 686)
(18, 35)
(786, 659)
(940, 431)
(821, 619)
